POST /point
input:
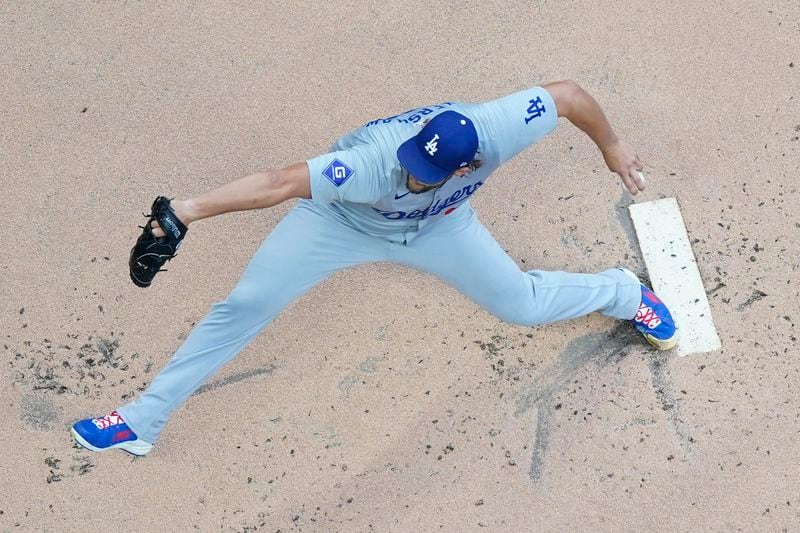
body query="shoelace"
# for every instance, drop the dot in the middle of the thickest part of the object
(647, 316)
(109, 420)
(149, 268)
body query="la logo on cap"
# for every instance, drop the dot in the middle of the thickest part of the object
(432, 146)
(441, 148)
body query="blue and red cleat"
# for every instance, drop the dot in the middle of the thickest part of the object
(653, 319)
(105, 433)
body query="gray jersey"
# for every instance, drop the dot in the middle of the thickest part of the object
(362, 182)
(362, 185)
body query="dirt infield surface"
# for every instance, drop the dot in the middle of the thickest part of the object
(383, 400)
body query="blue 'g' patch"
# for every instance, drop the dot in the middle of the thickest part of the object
(338, 172)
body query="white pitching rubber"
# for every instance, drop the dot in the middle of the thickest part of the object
(673, 272)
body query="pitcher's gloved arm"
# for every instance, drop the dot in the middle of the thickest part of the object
(255, 191)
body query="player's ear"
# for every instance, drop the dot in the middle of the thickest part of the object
(462, 171)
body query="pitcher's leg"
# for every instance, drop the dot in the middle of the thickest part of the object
(302, 250)
(463, 253)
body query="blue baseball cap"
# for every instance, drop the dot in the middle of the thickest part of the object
(446, 143)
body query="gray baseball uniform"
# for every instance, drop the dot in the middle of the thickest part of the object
(361, 211)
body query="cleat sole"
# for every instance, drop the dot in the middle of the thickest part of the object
(660, 344)
(138, 447)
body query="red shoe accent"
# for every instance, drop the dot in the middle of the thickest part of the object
(122, 435)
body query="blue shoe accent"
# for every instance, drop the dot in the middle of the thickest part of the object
(107, 432)
(653, 319)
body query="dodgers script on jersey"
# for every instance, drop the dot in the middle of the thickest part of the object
(362, 182)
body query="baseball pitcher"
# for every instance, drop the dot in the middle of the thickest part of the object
(396, 189)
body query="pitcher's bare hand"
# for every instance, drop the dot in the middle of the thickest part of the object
(622, 160)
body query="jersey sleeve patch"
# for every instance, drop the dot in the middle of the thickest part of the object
(354, 175)
(520, 120)
(536, 109)
(337, 172)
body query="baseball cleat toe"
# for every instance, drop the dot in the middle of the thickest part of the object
(653, 319)
(108, 432)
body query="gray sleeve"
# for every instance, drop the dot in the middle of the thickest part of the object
(519, 120)
(348, 140)
(355, 175)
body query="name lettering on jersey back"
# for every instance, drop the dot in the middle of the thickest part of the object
(410, 117)
(437, 207)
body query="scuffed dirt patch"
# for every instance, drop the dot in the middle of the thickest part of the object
(76, 366)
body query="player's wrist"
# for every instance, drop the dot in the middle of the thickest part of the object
(185, 210)
(609, 146)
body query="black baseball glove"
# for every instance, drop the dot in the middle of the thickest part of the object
(150, 252)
